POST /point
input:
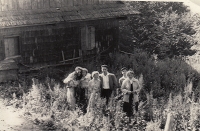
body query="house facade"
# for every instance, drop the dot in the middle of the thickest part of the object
(48, 32)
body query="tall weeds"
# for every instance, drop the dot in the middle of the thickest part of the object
(170, 81)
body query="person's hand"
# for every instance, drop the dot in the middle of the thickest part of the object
(130, 92)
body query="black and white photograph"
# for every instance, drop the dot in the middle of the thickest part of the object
(99, 65)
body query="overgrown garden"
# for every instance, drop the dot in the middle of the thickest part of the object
(170, 86)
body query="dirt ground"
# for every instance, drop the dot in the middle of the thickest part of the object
(11, 119)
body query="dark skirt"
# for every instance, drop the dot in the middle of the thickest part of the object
(82, 100)
(136, 106)
(128, 108)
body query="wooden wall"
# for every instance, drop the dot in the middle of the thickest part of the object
(7, 5)
(2, 48)
(45, 43)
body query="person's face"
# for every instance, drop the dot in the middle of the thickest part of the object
(104, 69)
(130, 75)
(78, 71)
(84, 73)
(124, 72)
(96, 76)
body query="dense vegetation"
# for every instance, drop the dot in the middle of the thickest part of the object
(164, 28)
(169, 84)
(46, 105)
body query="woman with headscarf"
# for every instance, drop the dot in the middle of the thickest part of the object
(130, 88)
(94, 88)
(72, 82)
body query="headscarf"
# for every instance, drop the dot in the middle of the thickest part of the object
(129, 72)
(94, 72)
(84, 69)
(78, 67)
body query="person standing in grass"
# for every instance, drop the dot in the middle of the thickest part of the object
(130, 88)
(108, 83)
(72, 81)
(92, 108)
(124, 76)
(83, 90)
(94, 87)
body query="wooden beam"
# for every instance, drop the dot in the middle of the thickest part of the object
(74, 55)
(126, 53)
(63, 56)
(71, 59)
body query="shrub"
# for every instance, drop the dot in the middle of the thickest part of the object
(160, 76)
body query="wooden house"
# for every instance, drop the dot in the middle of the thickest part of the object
(49, 32)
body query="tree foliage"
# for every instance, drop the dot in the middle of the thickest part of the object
(163, 28)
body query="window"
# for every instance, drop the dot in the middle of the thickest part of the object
(87, 38)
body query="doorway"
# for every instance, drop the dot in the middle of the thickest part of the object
(11, 45)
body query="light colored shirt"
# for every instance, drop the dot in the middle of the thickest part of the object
(131, 81)
(105, 81)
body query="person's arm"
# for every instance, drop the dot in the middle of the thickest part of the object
(115, 82)
(138, 87)
(120, 83)
(101, 82)
(88, 76)
(124, 89)
(69, 78)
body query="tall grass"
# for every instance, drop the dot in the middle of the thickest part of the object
(160, 76)
(170, 81)
(47, 106)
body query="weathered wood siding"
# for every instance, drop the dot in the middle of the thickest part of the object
(2, 50)
(41, 44)
(7, 5)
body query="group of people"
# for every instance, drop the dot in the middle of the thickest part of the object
(85, 89)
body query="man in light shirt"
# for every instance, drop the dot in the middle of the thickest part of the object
(108, 83)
